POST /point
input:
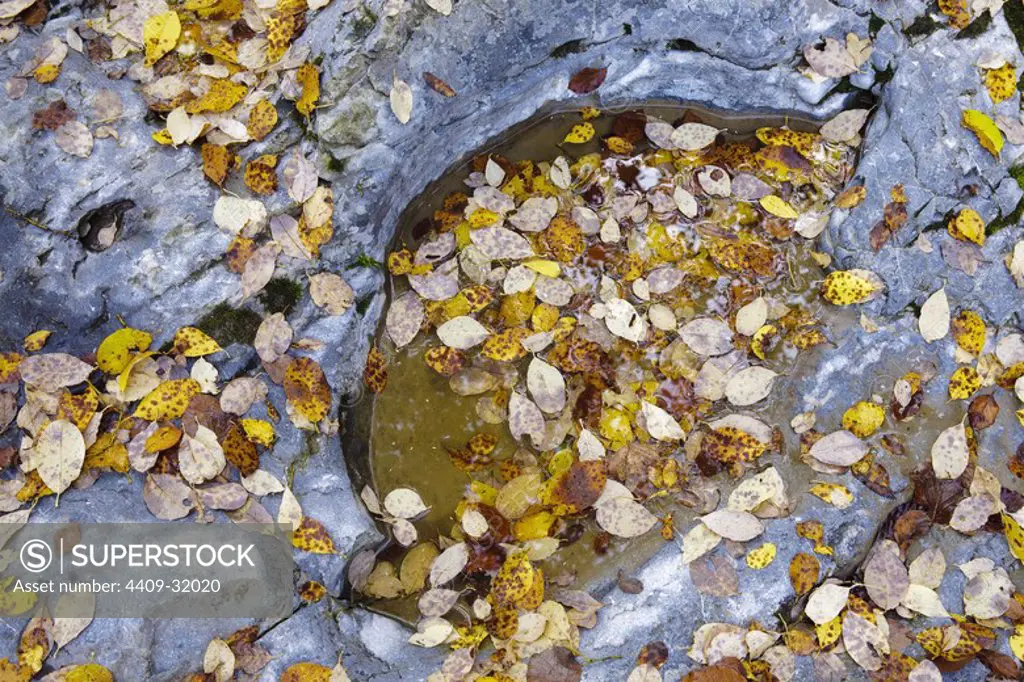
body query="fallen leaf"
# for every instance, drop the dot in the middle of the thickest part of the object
(587, 80)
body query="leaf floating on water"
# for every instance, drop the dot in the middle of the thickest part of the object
(624, 518)
(449, 564)
(839, 448)
(693, 136)
(845, 126)
(707, 336)
(404, 503)
(778, 207)
(846, 287)
(547, 386)
(580, 133)
(950, 454)
(749, 386)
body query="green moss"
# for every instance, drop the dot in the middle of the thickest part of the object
(875, 24)
(229, 325)
(334, 164)
(311, 448)
(923, 26)
(976, 27)
(367, 261)
(1014, 14)
(364, 22)
(280, 295)
(1015, 216)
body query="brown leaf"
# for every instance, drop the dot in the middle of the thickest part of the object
(1001, 665)
(587, 80)
(715, 576)
(438, 85)
(554, 665)
(653, 653)
(627, 584)
(53, 116)
(715, 673)
(803, 572)
(910, 526)
(937, 497)
(982, 412)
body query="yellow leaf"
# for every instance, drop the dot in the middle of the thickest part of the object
(778, 207)
(969, 331)
(828, 633)
(839, 496)
(259, 431)
(90, 672)
(217, 161)
(306, 672)
(534, 526)
(260, 174)
(963, 383)
(548, 268)
(194, 343)
(309, 78)
(169, 400)
(307, 389)
(163, 137)
(221, 96)
(1017, 642)
(160, 34)
(13, 604)
(967, 226)
(580, 133)
(262, 119)
(846, 287)
(46, 73)
(1014, 536)
(589, 113)
(863, 418)
(1001, 83)
(163, 438)
(36, 340)
(115, 351)
(985, 128)
(762, 556)
(311, 536)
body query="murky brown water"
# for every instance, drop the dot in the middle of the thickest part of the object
(417, 415)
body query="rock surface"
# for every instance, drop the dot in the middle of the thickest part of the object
(507, 59)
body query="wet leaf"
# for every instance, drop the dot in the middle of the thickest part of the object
(950, 453)
(404, 503)
(826, 602)
(840, 448)
(587, 80)
(885, 576)
(660, 423)
(846, 287)
(53, 371)
(622, 517)
(307, 390)
(715, 576)
(864, 418)
(749, 386)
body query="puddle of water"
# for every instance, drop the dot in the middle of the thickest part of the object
(400, 438)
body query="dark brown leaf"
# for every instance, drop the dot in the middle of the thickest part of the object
(937, 498)
(438, 85)
(715, 576)
(910, 526)
(53, 116)
(1001, 665)
(628, 584)
(721, 672)
(983, 412)
(587, 80)
(653, 653)
(554, 665)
